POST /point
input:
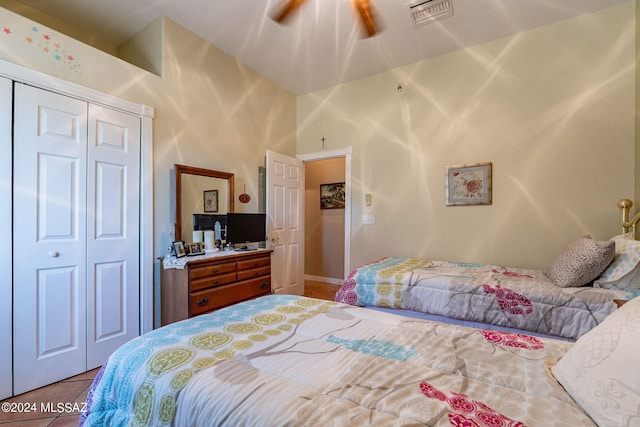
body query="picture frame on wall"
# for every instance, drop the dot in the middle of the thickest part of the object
(180, 251)
(332, 196)
(469, 184)
(211, 201)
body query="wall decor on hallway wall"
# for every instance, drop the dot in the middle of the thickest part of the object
(468, 184)
(332, 196)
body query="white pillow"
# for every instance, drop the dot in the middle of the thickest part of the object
(622, 271)
(601, 370)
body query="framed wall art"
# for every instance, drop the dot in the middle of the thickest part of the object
(332, 196)
(211, 201)
(468, 184)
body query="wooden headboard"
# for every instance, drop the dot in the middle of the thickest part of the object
(628, 226)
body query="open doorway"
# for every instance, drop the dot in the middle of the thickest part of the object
(327, 231)
(324, 221)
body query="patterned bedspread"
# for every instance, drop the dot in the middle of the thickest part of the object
(512, 298)
(284, 360)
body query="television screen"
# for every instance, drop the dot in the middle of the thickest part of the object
(246, 228)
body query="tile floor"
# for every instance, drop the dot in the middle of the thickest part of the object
(72, 392)
(38, 408)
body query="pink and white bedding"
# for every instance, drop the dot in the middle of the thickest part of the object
(284, 360)
(521, 299)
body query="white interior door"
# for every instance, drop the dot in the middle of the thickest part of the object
(49, 226)
(113, 256)
(285, 226)
(6, 103)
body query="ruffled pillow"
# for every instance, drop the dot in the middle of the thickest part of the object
(580, 262)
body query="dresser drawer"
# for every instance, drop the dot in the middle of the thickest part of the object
(253, 263)
(254, 272)
(210, 270)
(210, 299)
(211, 281)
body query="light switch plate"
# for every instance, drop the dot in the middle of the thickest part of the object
(368, 219)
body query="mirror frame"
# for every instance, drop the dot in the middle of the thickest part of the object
(191, 170)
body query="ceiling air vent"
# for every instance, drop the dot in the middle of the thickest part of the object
(423, 12)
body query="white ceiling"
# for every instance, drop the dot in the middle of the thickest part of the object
(322, 45)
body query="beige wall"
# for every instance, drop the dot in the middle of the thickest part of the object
(553, 110)
(323, 228)
(210, 110)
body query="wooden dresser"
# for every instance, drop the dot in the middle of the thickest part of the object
(211, 282)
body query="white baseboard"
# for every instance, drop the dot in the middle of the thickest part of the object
(323, 279)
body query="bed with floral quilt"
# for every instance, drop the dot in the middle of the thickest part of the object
(285, 360)
(582, 286)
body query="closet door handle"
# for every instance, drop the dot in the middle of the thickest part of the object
(54, 254)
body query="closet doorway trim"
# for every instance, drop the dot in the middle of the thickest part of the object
(44, 81)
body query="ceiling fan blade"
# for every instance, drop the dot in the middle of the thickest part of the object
(285, 10)
(366, 11)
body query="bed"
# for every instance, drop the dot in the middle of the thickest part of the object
(284, 360)
(583, 285)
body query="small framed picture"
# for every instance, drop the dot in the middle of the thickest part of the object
(211, 201)
(196, 248)
(179, 248)
(332, 196)
(468, 184)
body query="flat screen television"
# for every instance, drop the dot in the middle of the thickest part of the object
(246, 228)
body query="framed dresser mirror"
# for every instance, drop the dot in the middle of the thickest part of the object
(200, 191)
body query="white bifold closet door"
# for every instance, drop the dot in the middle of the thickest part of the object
(75, 235)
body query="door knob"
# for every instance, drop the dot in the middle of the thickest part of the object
(54, 254)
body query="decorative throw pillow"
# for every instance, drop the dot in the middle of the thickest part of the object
(580, 262)
(623, 269)
(601, 371)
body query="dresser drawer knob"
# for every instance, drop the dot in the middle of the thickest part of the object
(215, 271)
(202, 302)
(264, 285)
(215, 282)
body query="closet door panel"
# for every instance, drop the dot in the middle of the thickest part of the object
(56, 293)
(57, 203)
(113, 244)
(6, 291)
(49, 224)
